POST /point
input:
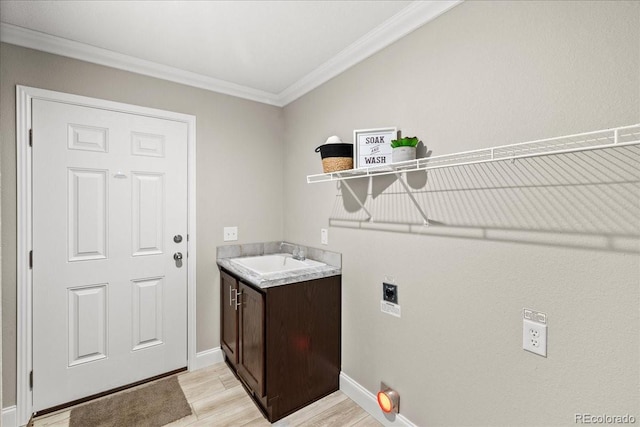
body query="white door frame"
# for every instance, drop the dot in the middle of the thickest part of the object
(24, 96)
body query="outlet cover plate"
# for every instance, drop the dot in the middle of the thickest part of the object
(534, 337)
(324, 236)
(230, 234)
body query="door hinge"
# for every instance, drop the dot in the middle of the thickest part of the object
(30, 137)
(30, 259)
(31, 380)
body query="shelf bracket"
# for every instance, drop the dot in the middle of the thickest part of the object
(413, 199)
(348, 187)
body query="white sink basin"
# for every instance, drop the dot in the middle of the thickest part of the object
(275, 263)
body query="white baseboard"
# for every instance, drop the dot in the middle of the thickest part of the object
(367, 401)
(207, 358)
(9, 417)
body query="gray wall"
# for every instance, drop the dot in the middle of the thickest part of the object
(483, 74)
(239, 169)
(486, 74)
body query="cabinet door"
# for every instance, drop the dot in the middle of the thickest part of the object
(229, 317)
(251, 365)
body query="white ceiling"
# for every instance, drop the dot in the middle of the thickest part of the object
(269, 51)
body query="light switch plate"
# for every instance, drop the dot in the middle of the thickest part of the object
(324, 236)
(230, 234)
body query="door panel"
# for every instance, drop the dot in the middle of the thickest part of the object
(87, 227)
(251, 366)
(148, 213)
(228, 317)
(88, 138)
(147, 145)
(109, 302)
(87, 324)
(147, 312)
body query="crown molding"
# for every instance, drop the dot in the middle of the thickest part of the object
(51, 44)
(407, 20)
(404, 22)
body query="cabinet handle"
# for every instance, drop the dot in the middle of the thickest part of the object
(238, 300)
(231, 299)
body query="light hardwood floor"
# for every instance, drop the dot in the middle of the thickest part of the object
(218, 399)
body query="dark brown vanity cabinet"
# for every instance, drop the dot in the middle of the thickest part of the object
(284, 341)
(229, 317)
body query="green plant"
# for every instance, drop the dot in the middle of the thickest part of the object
(407, 141)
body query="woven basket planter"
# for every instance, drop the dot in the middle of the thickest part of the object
(336, 157)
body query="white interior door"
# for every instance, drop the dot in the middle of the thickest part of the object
(109, 300)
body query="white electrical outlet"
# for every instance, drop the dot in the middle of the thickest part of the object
(230, 234)
(324, 236)
(534, 333)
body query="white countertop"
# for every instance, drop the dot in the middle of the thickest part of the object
(226, 254)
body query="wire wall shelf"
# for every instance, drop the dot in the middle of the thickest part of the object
(589, 141)
(597, 140)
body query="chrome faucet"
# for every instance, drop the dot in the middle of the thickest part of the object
(298, 253)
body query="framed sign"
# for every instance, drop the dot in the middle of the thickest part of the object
(373, 146)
